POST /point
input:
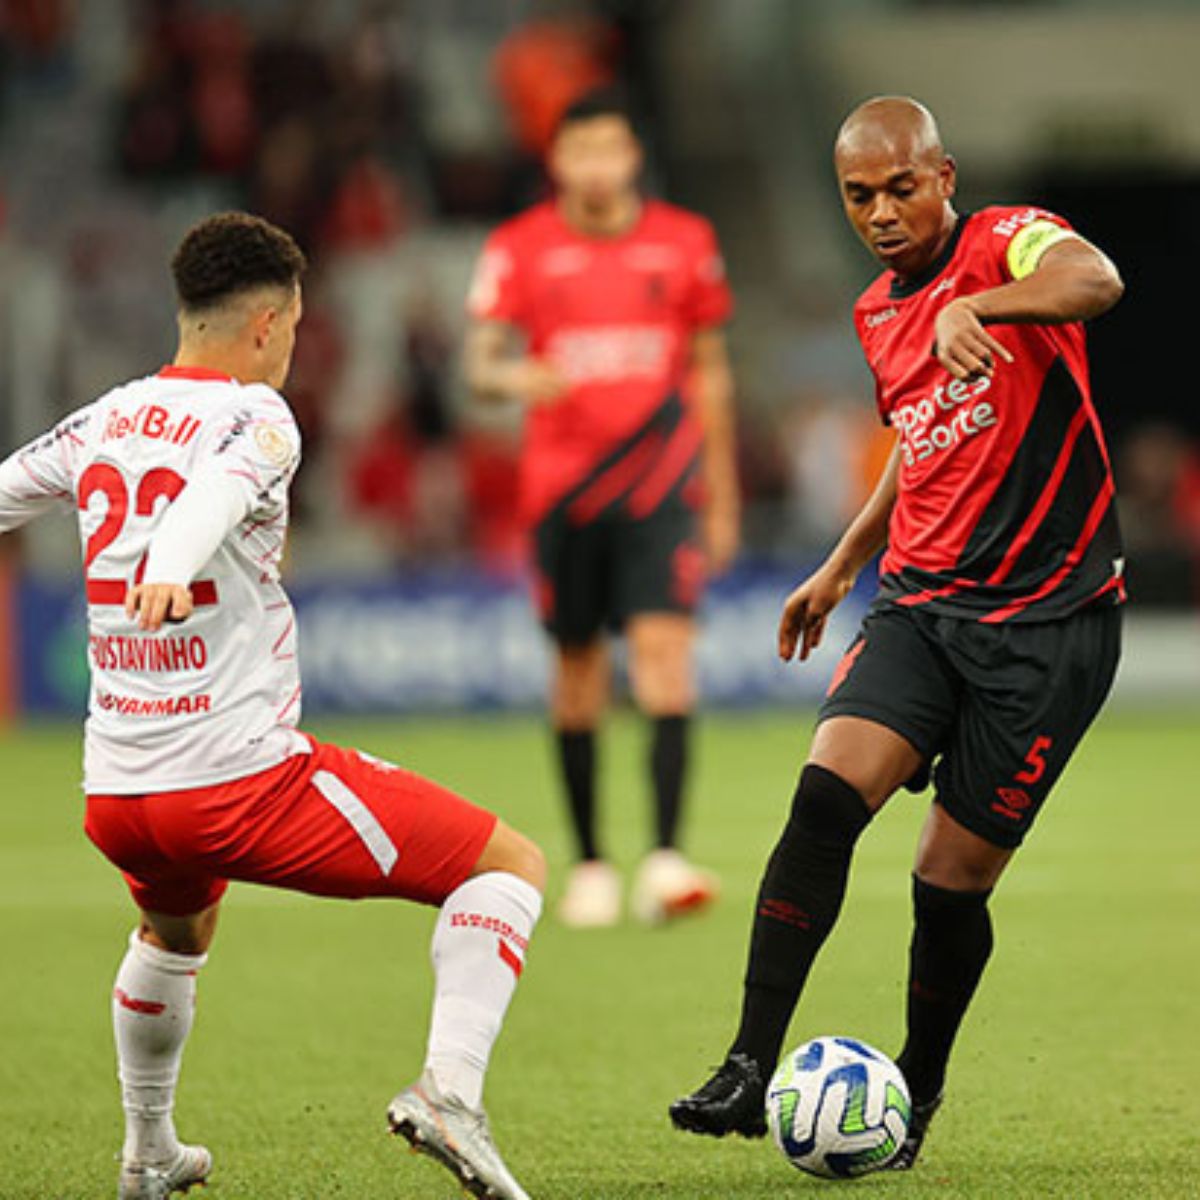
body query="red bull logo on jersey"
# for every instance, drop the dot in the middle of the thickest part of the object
(151, 421)
(942, 420)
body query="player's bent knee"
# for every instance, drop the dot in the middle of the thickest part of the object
(827, 807)
(665, 698)
(580, 691)
(514, 853)
(959, 876)
(180, 935)
(662, 689)
(572, 714)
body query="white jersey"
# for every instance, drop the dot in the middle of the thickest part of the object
(216, 697)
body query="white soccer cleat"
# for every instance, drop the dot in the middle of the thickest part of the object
(144, 1181)
(668, 886)
(593, 896)
(458, 1137)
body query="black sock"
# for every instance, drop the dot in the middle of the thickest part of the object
(577, 758)
(798, 902)
(952, 939)
(668, 764)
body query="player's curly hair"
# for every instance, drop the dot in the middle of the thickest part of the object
(233, 252)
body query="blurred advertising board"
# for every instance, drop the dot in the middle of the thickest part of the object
(446, 643)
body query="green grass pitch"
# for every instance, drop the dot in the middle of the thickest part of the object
(1077, 1074)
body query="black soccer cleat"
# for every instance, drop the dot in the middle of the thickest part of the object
(918, 1127)
(732, 1101)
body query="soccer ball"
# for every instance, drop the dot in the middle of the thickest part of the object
(838, 1108)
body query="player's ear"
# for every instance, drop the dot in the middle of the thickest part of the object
(263, 325)
(948, 177)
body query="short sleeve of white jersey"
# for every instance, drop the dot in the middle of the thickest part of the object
(40, 477)
(257, 445)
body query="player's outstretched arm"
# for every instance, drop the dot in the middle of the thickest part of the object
(495, 372)
(37, 478)
(713, 383)
(1073, 281)
(806, 610)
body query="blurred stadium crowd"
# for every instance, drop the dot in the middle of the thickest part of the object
(388, 136)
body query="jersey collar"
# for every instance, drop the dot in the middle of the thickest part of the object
(204, 374)
(900, 290)
(612, 239)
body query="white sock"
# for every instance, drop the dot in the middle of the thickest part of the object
(478, 955)
(154, 998)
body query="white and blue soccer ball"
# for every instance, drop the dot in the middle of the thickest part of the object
(838, 1108)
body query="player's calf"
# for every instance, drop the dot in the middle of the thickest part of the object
(154, 999)
(478, 949)
(951, 943)
(798, 904)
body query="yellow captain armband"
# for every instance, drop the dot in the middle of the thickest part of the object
(1030, 243)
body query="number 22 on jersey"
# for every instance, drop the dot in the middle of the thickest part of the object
(154, 485)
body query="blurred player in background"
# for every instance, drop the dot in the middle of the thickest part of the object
(996, 633)
(195, 771)
(618, 301)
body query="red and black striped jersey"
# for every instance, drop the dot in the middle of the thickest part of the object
(616, 315)
(1005, 506)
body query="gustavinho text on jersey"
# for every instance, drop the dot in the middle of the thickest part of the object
(116, 653)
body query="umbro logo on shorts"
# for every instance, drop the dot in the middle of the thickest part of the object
(1013, 803)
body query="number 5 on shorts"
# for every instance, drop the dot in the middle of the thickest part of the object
(1035, 761)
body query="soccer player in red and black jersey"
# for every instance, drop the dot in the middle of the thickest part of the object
(628, 475)
(996, 633)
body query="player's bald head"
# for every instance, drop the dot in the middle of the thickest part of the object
(896, 127)
(896, 182)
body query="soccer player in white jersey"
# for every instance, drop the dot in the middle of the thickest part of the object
(195, 771)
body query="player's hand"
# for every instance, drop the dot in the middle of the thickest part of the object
(535, 381)
(963, 345)
(152, 604)
(722, 537)
(806, 609)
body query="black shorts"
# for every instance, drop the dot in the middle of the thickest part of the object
(599, 574)
(1000, 708)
